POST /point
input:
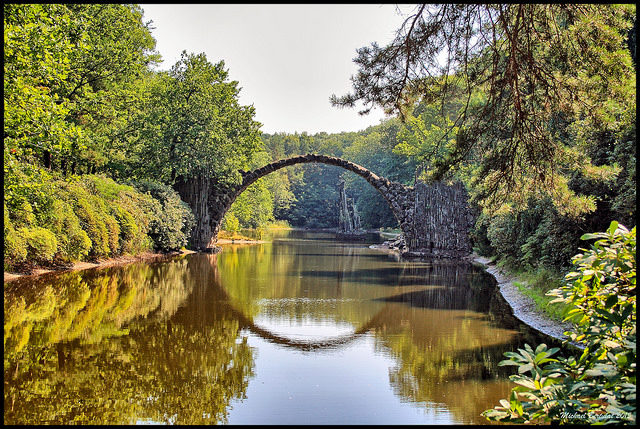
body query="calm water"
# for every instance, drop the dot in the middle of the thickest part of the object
(303, 329)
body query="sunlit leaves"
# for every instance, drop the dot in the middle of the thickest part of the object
(193, 124)
(600, 381)
(69, 80)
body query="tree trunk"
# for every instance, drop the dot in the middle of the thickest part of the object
(46, 159)
(196, 193)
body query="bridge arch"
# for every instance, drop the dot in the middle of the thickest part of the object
(391, 191)
(435, 219)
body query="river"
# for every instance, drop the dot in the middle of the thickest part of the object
(302, 329)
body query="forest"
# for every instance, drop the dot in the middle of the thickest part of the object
(533, 110)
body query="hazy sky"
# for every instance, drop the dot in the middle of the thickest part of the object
(288, 59)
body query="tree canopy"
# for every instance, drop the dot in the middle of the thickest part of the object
(192, 124)
(534, 83)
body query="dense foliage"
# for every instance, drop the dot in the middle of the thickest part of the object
(84, 107)
(70, 81)
(49, 219)
(191, 124)
(521, 89)
(597, 385)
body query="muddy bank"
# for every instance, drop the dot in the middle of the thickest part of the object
(121, 260)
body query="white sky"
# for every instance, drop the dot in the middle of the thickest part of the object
(288, 59)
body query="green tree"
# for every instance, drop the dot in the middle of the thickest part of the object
(70, 80)
(193, 124)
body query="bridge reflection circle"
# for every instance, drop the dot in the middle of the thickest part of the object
(332, 343)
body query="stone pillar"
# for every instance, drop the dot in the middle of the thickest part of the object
(440, 223)
(201, 195)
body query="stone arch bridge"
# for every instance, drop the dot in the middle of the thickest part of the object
(435, 219)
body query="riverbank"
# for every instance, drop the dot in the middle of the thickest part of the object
(111, 262)
(524, 308)
(121, 260)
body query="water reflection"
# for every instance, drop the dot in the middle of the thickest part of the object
(122, 345)
(192, 339)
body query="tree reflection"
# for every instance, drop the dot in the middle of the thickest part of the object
(449, 353)
(160, 342)
(122, 346)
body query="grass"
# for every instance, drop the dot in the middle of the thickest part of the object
(535, 285)
(232, 235)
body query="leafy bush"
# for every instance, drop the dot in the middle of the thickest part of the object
(598, 385)
(230, 222)
(172, 221)
(41, 243)
(502, 235)
(534, 238)
(73, 241)
(15, 247)
(254, 207)
(48, 218)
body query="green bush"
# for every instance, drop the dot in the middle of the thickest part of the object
(94, 226)
(73, 241)
(503, 236)
(171, 221)
(41, 243)
(597, 385)
(230, 223)
(15, 247)
(49, 218)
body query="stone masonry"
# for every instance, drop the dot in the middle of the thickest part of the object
(435, 219)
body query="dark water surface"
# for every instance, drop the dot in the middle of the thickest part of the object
(300, 330)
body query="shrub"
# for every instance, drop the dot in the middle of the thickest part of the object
(599, 384)
(171, 220)
(230, 223)
(87, 216)
(15, 248)
(41, 243)
(93, 225)
(73, 241)
(502, 234)
(126, 207)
